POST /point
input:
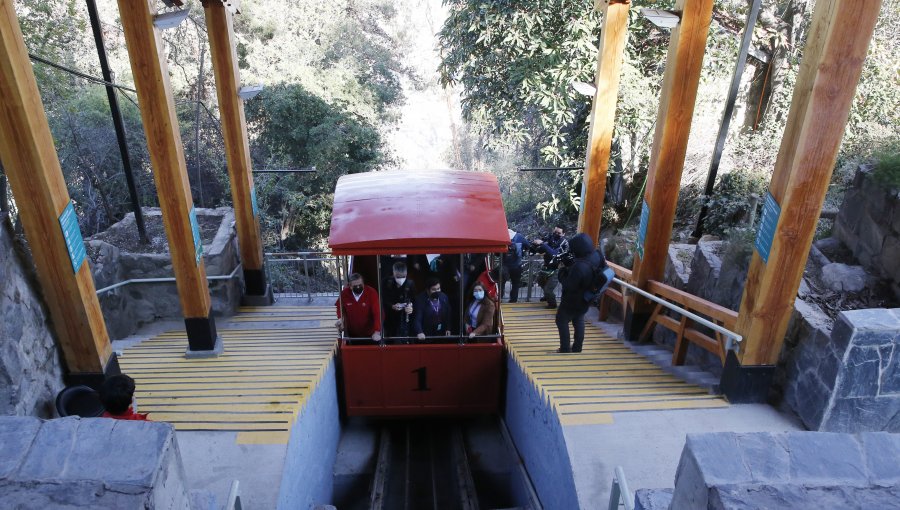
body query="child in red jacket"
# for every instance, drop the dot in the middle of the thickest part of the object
(117, 394)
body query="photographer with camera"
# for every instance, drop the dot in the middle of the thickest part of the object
(576, 277)
(512, 265)
(399, 292)
(552, 247)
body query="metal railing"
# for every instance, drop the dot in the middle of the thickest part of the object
(730, 336)
(619, 494)
(234, 497)
(168, 279)
(303, 274)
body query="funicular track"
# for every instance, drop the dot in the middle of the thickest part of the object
(445, 464)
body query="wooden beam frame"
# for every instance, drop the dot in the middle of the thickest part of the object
(151, 78)
(678, 95)
(826, 84)
(223, 51)
(35, 176)
(613, 36)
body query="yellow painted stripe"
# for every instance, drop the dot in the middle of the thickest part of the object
(220, 408)
(224, 399)
(645, 406)
(586, 419)
(264, 437)
(276, 419)
(232, 426)
(229, 392)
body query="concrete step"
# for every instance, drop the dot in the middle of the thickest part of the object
(690, 374)
(203, 500)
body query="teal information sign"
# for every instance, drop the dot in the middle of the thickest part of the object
(770, 214)
(253, 201)
(642, 229)
(68, 222)
(195, 228)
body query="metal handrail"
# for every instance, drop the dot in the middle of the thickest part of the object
(730, 335)
(417, 339)
(165, 280)
(620, 492)
(234, 497)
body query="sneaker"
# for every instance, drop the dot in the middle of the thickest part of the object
(560, 351)
(543, 298)
(551, 306)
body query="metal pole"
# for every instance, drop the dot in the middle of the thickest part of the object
(308, 283)
(117, 121)
(4, 204)
(726, 115)
(462, 295)
(380, 295)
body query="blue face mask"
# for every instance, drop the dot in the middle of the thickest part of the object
(479, 294)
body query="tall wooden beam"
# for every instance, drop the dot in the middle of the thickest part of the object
(826, 84)
(151, 78)
(678, 95)
(613, 35)
(220, 28)
(32, 166)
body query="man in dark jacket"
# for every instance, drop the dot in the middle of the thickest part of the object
(576, 279)
(398, 293)
(432, 311)
(551, 247)
(512, 265)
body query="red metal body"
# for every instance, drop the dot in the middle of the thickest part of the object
(419, 213)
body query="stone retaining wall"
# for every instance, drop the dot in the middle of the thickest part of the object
(90, 463)
(128, 308)
(868, 223)
(30, 367)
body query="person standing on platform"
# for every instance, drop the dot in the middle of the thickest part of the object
(358, 311)
(552, 248)
(432, 311)
(512, 265)
(576, 278)
(398, 294)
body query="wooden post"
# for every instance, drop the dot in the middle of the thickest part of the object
(613, 35)
(220, 28)
(151, 78)
(36, 179)
(826, 84)
(673, 125)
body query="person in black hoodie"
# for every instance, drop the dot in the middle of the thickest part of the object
(576, 278)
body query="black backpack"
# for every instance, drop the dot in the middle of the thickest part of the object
(601, 276)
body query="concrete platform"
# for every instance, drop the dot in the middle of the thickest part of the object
(616, 408)
(234, 414)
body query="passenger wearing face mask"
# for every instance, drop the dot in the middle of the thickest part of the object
(358, 311)
(398, 293)
(480, 313)
(432, 311)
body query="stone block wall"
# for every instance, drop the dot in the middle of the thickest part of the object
(849, 381)
(30, 366)
(90, 463)
(729, 471)
(127, 308)
(868, 223)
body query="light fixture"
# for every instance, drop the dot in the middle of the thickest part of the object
(250, 91)
(174, 3)
(170, 19)
(662, 18)
(585, 89)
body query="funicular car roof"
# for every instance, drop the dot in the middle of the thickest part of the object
(417, 212)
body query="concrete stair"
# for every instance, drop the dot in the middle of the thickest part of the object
(691, 374)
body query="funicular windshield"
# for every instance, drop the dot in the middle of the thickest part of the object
(428, 243)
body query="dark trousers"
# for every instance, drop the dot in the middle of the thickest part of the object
(563, 317)
(514, 275)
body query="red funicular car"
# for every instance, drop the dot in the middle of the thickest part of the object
(420, 215)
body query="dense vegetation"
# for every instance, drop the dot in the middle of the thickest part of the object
(333, 73)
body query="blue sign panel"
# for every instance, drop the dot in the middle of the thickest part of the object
(642, 229)
(770, 214)
(68, 222)
(195, 228)
(253, 201)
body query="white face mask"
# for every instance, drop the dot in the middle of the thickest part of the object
(479, 294)
(400, 281)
